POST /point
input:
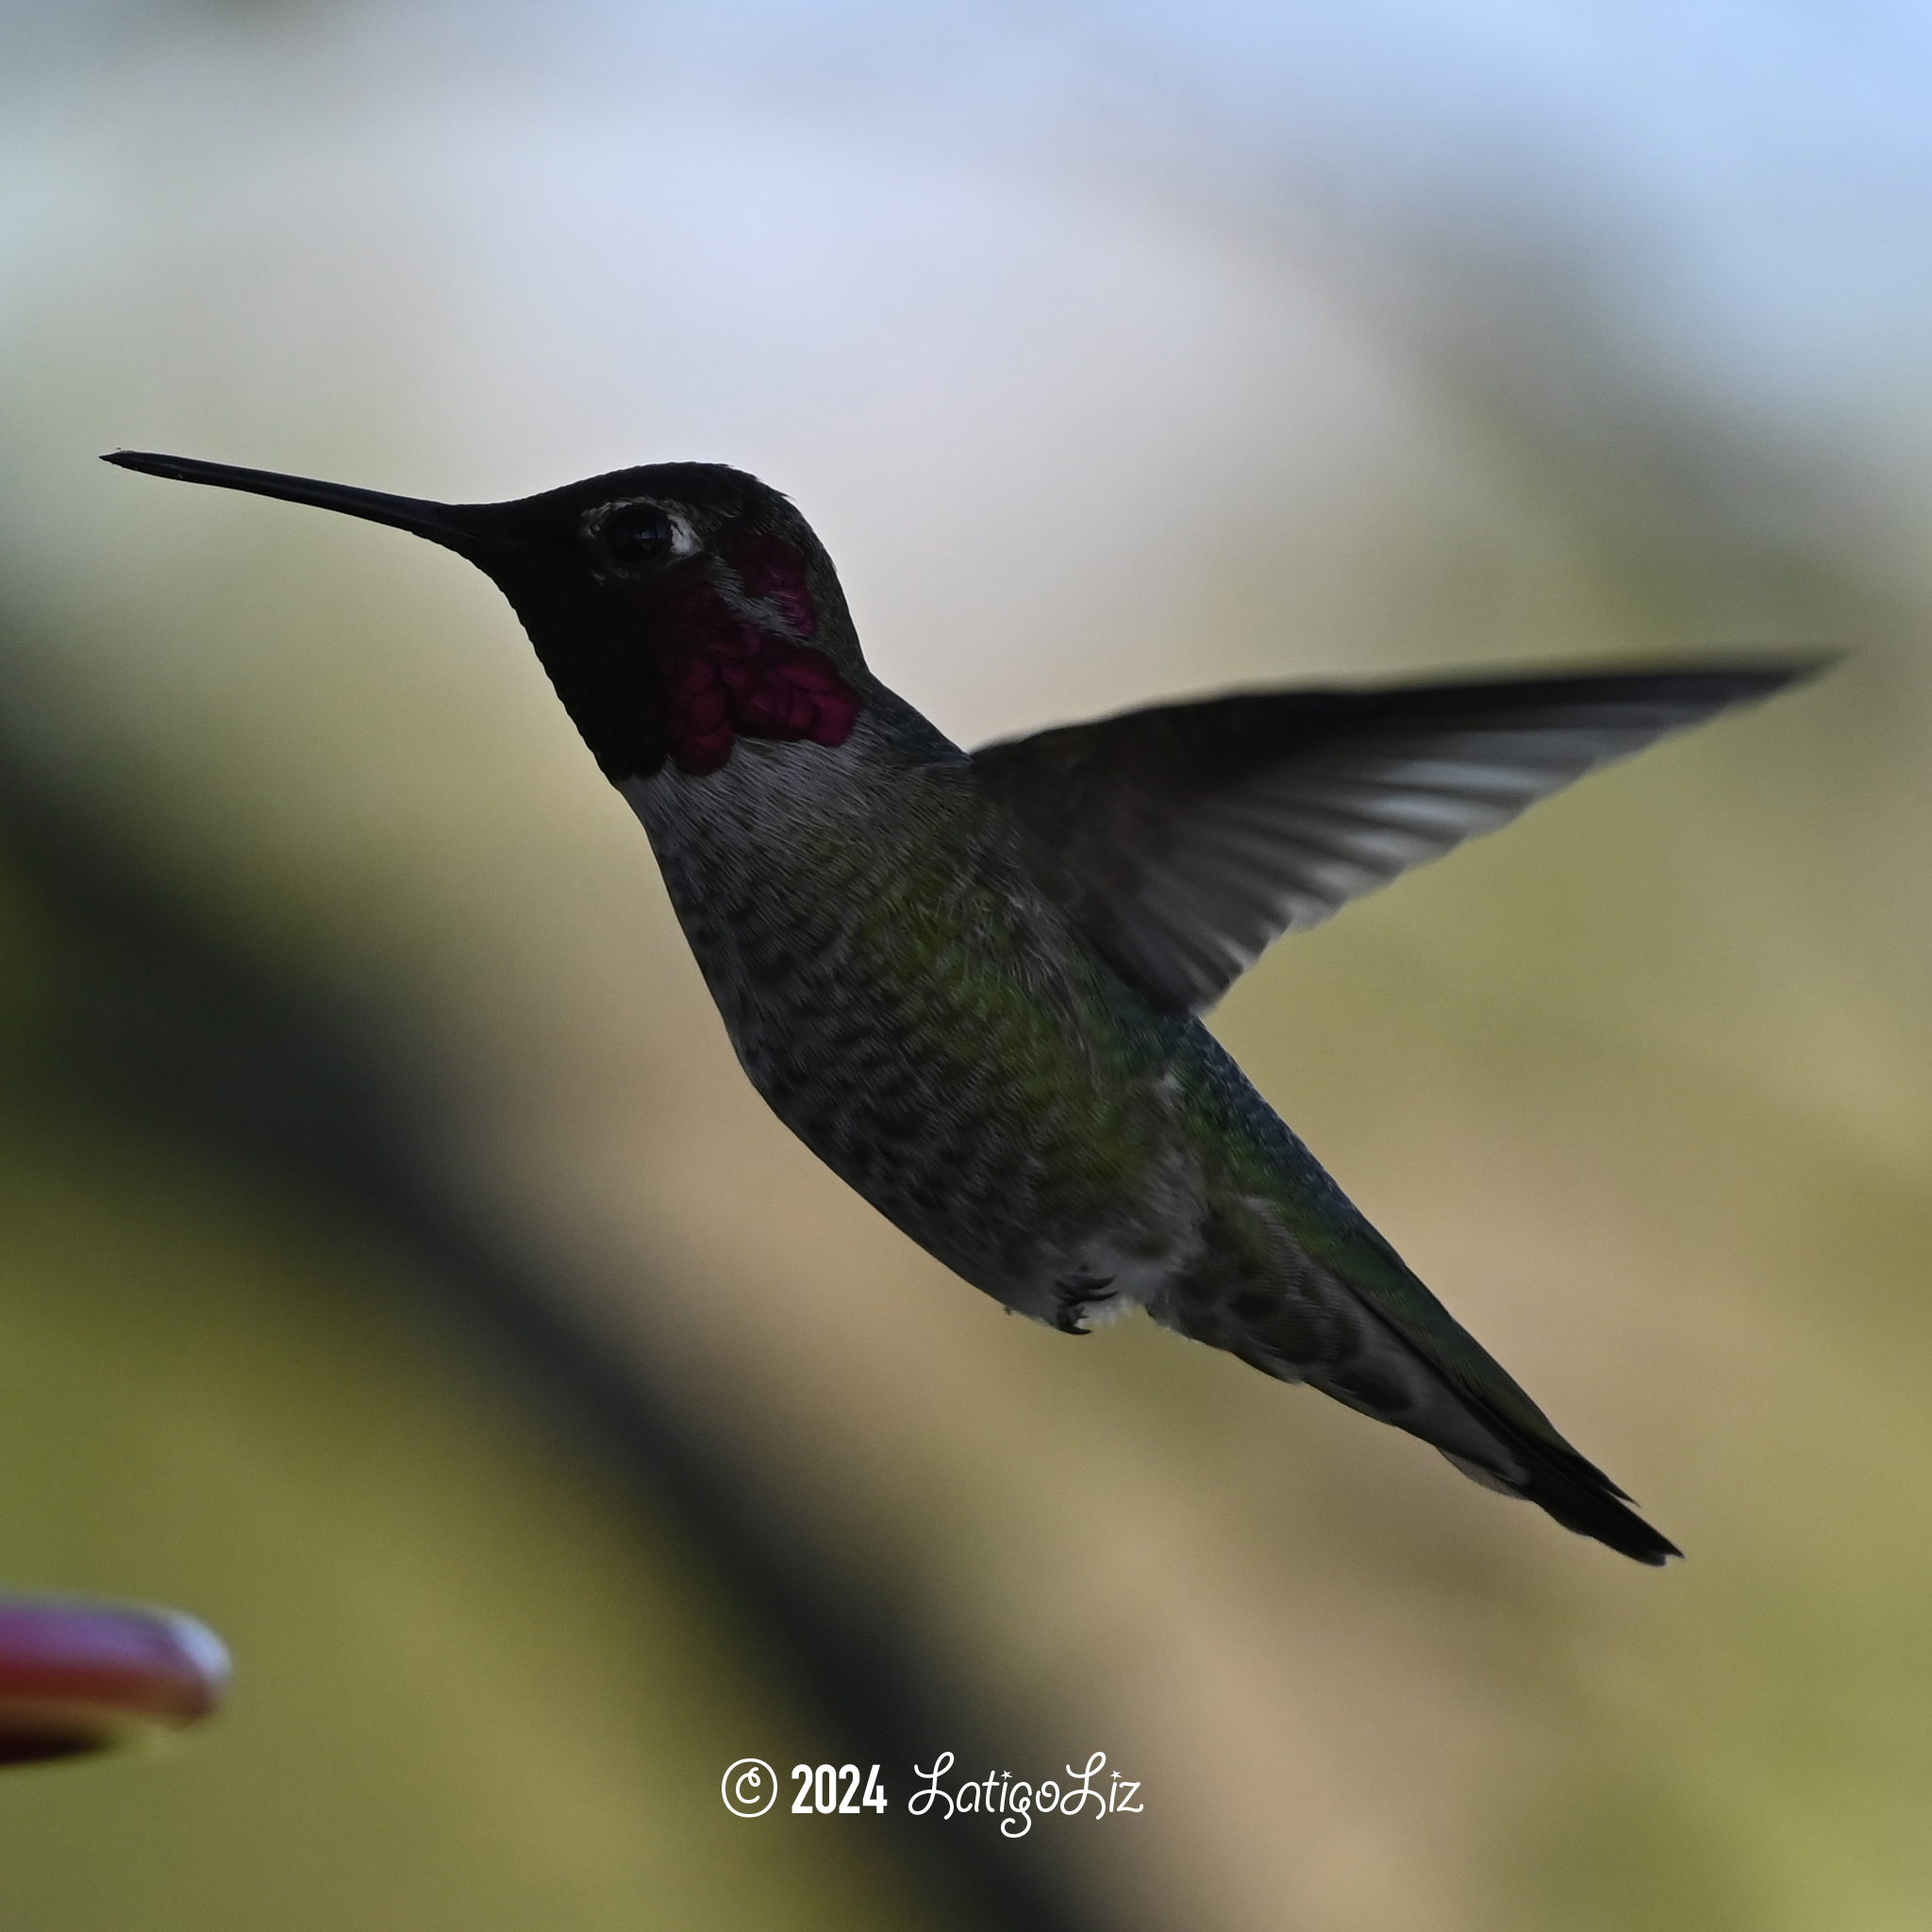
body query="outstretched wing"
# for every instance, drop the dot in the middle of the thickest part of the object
(1188, 838)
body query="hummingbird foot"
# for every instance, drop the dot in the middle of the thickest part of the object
(1074, 1295)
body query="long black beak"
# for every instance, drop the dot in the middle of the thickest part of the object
(440, 521)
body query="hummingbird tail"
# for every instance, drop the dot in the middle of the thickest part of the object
(1578, 1495)
(1323, 1328)
(1513, 1461)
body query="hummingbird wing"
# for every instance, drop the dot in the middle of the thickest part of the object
(1187, 839)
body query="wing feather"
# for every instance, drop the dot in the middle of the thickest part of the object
(1187, 839)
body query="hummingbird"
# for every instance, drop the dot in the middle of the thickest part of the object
(972, 983)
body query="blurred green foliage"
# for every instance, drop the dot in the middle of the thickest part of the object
(477, 1686)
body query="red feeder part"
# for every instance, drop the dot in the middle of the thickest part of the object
(83, 1677)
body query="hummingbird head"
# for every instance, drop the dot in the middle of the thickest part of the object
(677, 608)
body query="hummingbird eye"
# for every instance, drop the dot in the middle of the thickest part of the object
(641, 535)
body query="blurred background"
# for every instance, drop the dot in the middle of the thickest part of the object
(395, 1269)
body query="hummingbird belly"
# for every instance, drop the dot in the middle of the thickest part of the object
(918, 1015)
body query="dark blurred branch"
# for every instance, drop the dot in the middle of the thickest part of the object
(185, 1030)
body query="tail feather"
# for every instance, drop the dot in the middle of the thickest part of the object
(1520, 1452)
(1491, 1445)
(1326, 1330)
(1575, 1492)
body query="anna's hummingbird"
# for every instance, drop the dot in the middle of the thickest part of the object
(972, 982)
